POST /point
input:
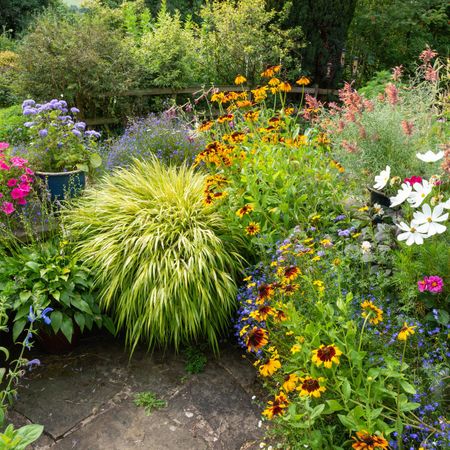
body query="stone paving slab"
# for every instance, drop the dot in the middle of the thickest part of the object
(85, 400)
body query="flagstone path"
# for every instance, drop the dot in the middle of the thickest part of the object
(84, 399)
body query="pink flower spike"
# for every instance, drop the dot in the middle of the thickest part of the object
(3, 145)
(435, 284)
(422, 285)
(12, 182)
(8, 208)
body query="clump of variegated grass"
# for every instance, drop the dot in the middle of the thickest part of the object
(165, 264)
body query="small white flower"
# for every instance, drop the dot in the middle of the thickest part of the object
(366, 246)
(427, 221)
(421, 190)
(378, 209)
(430, 156)
(410, 234)
(446, 205)
(259, 423)
(253, 397)
(382, 179)
(402, 195)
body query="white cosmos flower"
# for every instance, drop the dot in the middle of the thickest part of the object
(446, 205)
(382, 179)
(421, 190)
(430, 156)
(410, 234)
(366, 246)
(402, 195)
(427, 221)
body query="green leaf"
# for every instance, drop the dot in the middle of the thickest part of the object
(346, 389)
(348, 422)
(407, 387)
(410, 406)
(34, 266)
(18, 328)
(56, 295)
(67, 327)
(317, 411)
(25, 295)
(333, 406)
(5, 351)
(80, 320)
(28, 434)
(56, 318)
(95, 160)
(109, 324)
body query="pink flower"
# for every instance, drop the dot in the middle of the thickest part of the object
(28, 171)
(412, 180)
(17, 193)
(397, 72)
(422, 285)
(25, 187)
(4, 166)
(391, 93)
(8, 208)
(427, 55)
(21, 201)
(408, 127)
(434, 284)
(431, 74)
(3, 145)
(12, 182)
(16, 161)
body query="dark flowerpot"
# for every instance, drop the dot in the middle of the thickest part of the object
(63, 185)
(57, 343)
(378, 197)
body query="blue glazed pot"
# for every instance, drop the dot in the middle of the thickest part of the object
(63, 185)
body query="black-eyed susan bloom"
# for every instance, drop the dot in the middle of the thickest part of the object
(405, 332)
(262, 313)
(303, 81)
(374, 314)
(291, 273)
(246, 209)
(326, 355)
(240, 79)
(205, 125)
(284, 86)
(265, 291)
(290, 382)
(277, 406)
(270, 366)
(270, 71)
(256, 339)
(311, 387)
(252, 228)
(367, 441)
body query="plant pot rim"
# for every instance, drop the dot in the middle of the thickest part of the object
(70, 172)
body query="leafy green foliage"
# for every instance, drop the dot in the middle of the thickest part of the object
(20, 438)
(163, 262)
(46, 275)
(12, 129)
(149, 401)
(195, 360)
(49, 52)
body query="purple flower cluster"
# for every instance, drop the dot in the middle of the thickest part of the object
(164, 136)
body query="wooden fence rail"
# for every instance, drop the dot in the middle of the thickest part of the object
(192, 90)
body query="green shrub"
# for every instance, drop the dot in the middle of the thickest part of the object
(164, 263)
(8, 75)
(77, 56)
(11, 125)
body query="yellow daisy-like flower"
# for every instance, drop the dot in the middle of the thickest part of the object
(295, 348)
(366, 441)
(326, 355)
(376, 314)
(269, 367)
(274, 81)
(270, 71)
(218, 97)
(252, 228)
(284, 87)
(205, 125)
(262, 313)
(303, 81)
(405, 332)
(291, 273)
(256, 339)
(363, 208)
(246, 209)
(240, 79)
(277, 406)
(290, 382)
(311, 387)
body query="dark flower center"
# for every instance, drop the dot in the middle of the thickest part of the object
(326, 353)
(310, 385)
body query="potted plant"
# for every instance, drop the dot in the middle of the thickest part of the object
(45, 274)
(60, 149)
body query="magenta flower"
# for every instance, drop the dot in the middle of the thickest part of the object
(12, 182)
(3, 145)
(18, 162)
(422, 285)
(8, 208)
(434, 284)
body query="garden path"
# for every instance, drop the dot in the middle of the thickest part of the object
(84, 399)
